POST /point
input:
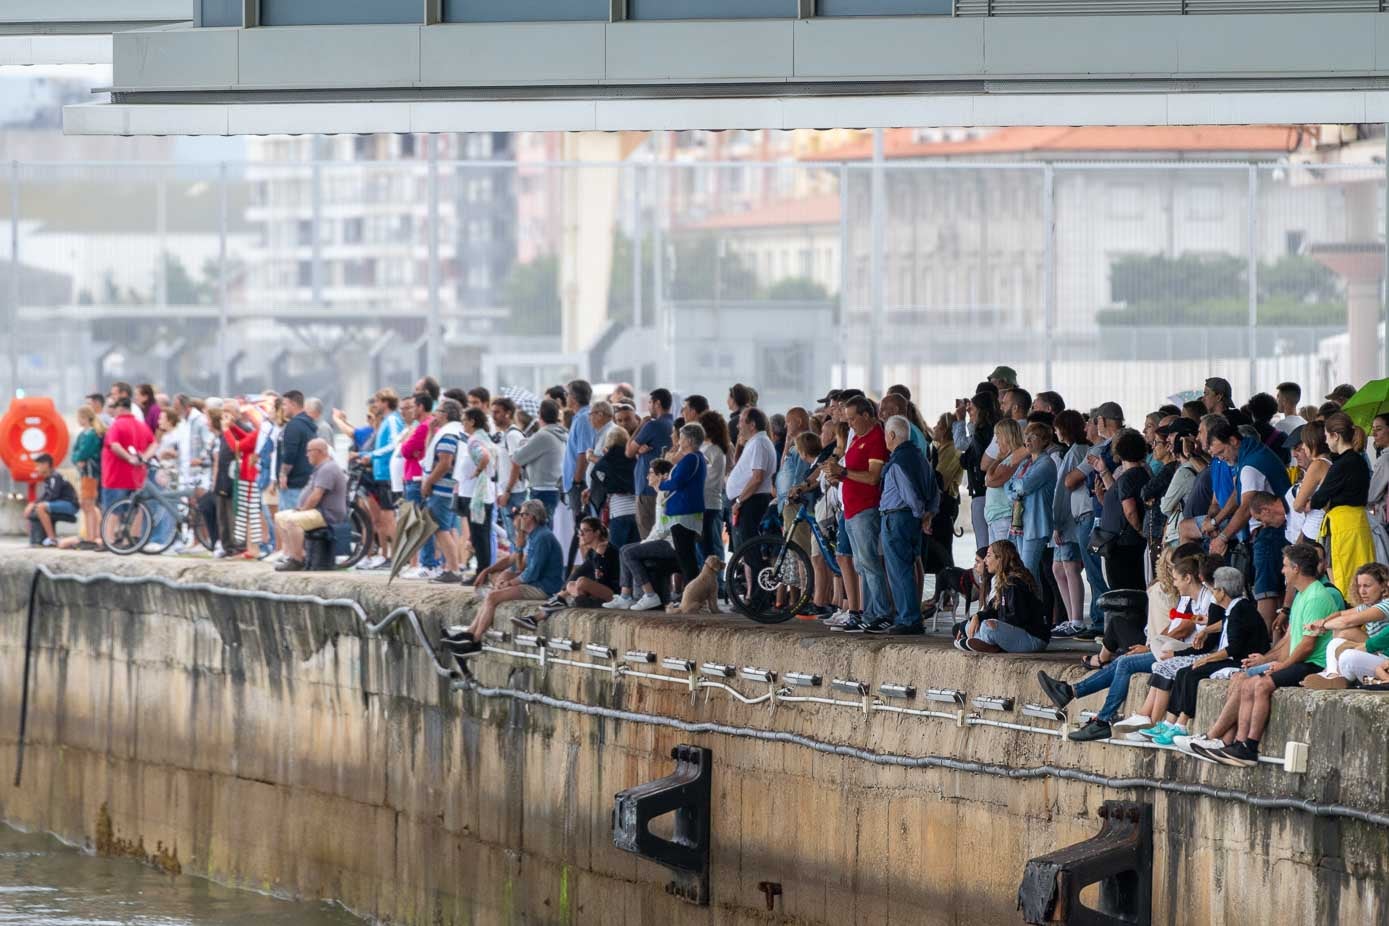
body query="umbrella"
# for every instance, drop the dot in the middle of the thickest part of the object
(413, 527)
(1370, 400)
(525, 400)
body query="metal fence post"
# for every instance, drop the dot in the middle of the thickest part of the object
(879, 195)
(1048, 269)
(843, 379)
(1253, 274)
(161, 232)
(636, 246)
(12, 342)
(316, 194)
(223, 320)
(435, 333)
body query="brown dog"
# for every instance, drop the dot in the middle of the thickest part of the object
(701, 592)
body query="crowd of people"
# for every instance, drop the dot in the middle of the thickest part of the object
(1213, 540)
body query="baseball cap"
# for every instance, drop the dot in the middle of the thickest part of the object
(828, 397)
(1007, 374)
(1182, 427)
(1341, 393)
(1110, 410)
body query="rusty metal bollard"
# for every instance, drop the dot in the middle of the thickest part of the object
(1119, 858)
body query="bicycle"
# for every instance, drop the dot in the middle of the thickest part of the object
(359, 514)
(128, 526)
(772, 567)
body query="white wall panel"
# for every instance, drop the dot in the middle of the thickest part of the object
(175, 58)
(724, 50)
(844, 48)
(330, 56)
(512, 54)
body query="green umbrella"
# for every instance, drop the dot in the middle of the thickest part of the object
(1370, 400)
(413, 527)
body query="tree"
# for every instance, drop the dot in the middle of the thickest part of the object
(532, 294)
(797, 289)
(1214, 291)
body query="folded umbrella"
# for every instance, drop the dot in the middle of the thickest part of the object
(1369, 400)
(413, 527)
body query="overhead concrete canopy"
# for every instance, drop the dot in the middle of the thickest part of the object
(811, 71)
(34, 32)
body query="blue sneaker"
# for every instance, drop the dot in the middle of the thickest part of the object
(1169, 736)
(1155, 730)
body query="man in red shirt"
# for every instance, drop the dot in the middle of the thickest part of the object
(122, 461)
(859, 488)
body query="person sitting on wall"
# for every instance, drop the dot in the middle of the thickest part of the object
(56, 496)
(1011, 620)
(535, 574)
(591, 583)
(323, 504)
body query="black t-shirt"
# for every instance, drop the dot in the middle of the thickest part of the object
(1128, 484)
(602, 567)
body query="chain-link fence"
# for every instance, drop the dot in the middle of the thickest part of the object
(1108, 280)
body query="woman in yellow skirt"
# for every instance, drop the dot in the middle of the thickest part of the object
(1342, 495)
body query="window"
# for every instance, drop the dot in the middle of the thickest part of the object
(484, 11)
(305, 273)
(304, 235)
(220, 12)
(352, 231)
(479, 277)
(338, 12)
(711, 9)
(407, 146)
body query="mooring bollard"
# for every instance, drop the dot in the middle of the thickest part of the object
(1119, 858)
(687, 792)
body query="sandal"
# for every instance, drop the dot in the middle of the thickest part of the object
(1092, 666)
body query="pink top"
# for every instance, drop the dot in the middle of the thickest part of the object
(412, 449)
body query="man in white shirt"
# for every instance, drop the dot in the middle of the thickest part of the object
(512, 488)
(1289, 394)
(750, 483)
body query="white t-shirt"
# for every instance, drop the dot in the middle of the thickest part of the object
(467, 472)
(759, 453)
(504, 449)
(1251, 480)
(1289, 423)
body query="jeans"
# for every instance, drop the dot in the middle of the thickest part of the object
(549, 498)
(1031, 552)
(57, 511)
(622, 530)
(109, 497)
(1094, 569)
(711, 543)
(1115, 677)
(901, 543)
(976, 520)
(636, 560)
(507, 513)
(1009, 637)
(868, 560)
(289, 499)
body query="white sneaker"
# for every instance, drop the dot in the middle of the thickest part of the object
(219, 553)
(367, 562)
(1184, 743)
(838, 619)
(419, 572)
(646, 602)
(620, 603)
(1131, 724)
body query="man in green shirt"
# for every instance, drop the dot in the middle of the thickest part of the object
(1295, 656)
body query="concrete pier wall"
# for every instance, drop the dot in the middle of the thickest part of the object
(282, 747)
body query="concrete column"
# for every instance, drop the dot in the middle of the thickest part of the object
(1363, 311)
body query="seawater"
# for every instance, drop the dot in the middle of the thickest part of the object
(46, 883)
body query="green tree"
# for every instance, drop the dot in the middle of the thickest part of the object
(532, 294)
(797, 289)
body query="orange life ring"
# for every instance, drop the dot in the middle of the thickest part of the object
(31, 426)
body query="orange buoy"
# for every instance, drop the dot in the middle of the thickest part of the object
(31, 426)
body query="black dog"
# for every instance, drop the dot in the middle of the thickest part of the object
(953, 586)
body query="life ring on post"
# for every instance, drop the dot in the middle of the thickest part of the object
(31, 426)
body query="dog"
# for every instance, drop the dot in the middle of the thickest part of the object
(954, 586)
(702, 592)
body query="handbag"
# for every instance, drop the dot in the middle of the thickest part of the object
(1101, 541)
(1240, 555)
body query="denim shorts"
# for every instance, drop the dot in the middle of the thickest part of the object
(441, 510)
(1268, 563)
(1066, 552)
(61, 508)
(842, 546)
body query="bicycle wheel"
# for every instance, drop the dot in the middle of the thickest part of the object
(764, 571)
(126, 527)
(362, 536)
(170, 525)
(198, 525)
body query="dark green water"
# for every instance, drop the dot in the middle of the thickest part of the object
(45, 883)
